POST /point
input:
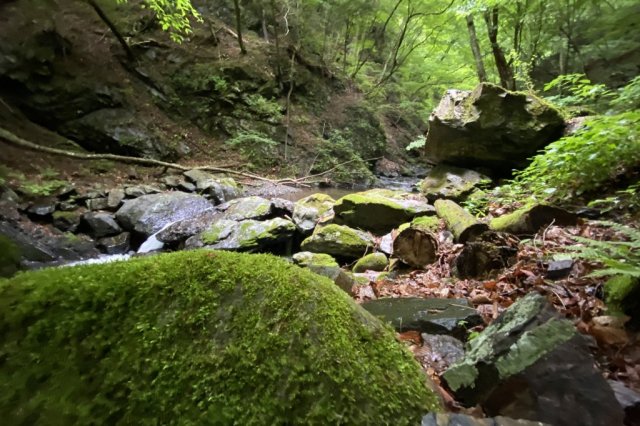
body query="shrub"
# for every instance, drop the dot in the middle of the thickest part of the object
(338, 152)
(198, 337)
(258, 148)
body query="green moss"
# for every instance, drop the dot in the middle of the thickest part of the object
(217, 231)
(429, 223)
(338, 240)
(60, 215)
(371, 262)
(307, 258)
(621, 294)
(9, 257)
(198, 338)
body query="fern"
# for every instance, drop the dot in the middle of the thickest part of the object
(617, 257)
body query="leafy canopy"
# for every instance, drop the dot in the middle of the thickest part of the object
(173, 16)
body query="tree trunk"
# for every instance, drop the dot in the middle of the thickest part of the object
(475, 48)
(265, 32)
(504, 69)
(130, 55)
(415, 247)
(288, 118)
(236, 6)
(464, 226)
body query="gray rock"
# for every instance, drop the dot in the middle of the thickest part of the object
(456, 419)
(629, 399)
(531, 364)
(173, 181)
(248, 235)
(558, 269)
(115, 198)
(67, 221)
(380, 210)
(432, 316)
(8, 195)
(219, 190)
(187, 187)
(148, 214)
(140, 190)
(308, 211)
(490, 127)
(339, 241)
(282, 208)
(444, 351)
(451, 182)
(117, 244)
(97, 203)
(101, 224)
(307, 258)
(67, 206)
(42, 210)
(180, 231)
(255, 208)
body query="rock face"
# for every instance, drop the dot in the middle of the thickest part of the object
(490, 127)
(434, 316)
(380, 210)
(531, 364)
(247, 339)
(339, 241)
(450, 182)
(148, 214)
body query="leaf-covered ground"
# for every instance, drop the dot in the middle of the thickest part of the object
(576, 296)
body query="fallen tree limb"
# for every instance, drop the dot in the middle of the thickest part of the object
(11, 138)
(462, 224)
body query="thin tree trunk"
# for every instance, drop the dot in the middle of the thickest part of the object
(130, 55)
(265, 32)
(236, 6)
(288, 118)
(504, 70)
(475, 48)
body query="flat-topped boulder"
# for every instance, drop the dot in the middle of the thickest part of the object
(380, 210)
(490, 127)
(339, 241)
(454, 183)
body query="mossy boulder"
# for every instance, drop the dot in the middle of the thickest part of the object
(307, 258)
(219, 190)
(491, 127)
(622, 294)
(450, 182)
(247, 208)
(9, 257)
(308, 211)
(371, 262)
(380, 210)
(248, 235)
(339, 241)
(198, 338)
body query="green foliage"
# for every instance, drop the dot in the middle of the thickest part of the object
(258, 148)
(173, 16)
(624, 200)
(417, 143)
(198, 338)
(9, 257)
(578, 90)
(628, 97)
(583, 162)
(333, 153)
(617, 257)
(268, 109)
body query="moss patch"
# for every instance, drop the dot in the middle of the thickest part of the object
(195, 338)
(371, 262)
(9, 257)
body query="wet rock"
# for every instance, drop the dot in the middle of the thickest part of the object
(432, 316)
(115, 198)
(148, 214)
(180, 231)
(307, 258)
(339, 241)
(219, 190)
(450, 182)
(140, 190)
(248, 235)
(67, 221)
(380, 210)
(371, 262)
(97, 204)
(41, 210)
(246, 208)
(531, 364)
(100, 224)
(117, 244)
(308, 211)
(490, 127)
(457, 419)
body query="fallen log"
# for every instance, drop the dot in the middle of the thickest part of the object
(529, 219)
(416, 247)
(488, 252)
(464, 226)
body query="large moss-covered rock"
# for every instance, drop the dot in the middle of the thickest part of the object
(198, 338)
(246, 208)
(371, 262)
(380, 210)
(450, 182)
(148, 214)
(339, 241)
(529, 363)
(490, 127)
(248, 235)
